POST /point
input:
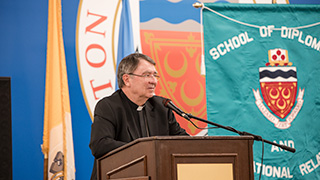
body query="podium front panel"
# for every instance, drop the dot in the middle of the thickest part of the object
(158, 158)
(192, 171)
(204, 165)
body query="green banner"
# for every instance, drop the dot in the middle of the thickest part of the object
(263, 77)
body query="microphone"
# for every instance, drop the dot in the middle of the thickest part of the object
(169, 104)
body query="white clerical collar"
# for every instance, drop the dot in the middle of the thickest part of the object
(140, 108)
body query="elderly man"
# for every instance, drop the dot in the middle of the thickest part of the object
(133, 111)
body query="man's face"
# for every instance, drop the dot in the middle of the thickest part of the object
(143, 87)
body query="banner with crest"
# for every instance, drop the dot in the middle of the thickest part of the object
(262, 76)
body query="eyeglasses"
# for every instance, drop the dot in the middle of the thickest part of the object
(146, 76)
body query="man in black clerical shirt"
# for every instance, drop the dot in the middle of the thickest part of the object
(133, 111)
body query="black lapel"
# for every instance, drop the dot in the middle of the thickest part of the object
(151, 120)
(132, 126)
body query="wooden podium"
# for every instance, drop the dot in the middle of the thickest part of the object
(180, 158)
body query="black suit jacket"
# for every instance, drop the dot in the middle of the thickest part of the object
(114, 124)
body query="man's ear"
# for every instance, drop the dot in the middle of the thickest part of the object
(125, 79)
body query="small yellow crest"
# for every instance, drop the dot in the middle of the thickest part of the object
(278, 57)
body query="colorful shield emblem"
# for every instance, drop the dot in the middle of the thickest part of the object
(278, 84)
(279, 88)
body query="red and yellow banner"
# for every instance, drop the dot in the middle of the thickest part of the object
(178, 58)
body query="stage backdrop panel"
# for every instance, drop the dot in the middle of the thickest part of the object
(262, 76)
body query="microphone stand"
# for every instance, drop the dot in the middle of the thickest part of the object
(242, 133)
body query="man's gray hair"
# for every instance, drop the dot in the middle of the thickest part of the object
(129, 64)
